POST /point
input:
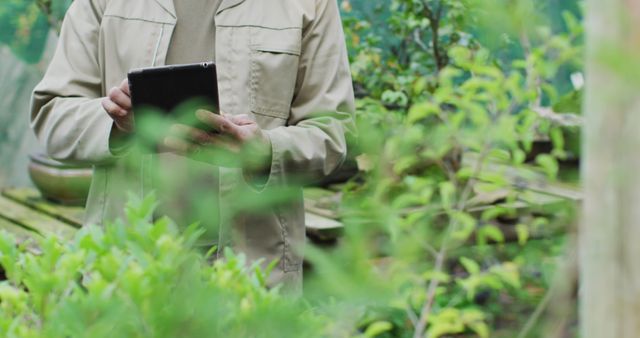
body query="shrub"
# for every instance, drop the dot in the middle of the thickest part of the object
(138, 279)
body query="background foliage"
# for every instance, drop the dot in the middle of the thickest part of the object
(25, 25)
(446, 91)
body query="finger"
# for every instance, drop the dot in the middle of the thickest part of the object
(224, 143)
(120, 98)
(203, 138)
(124, 86)
(113, 109)
(216, 122)
(177, 145)
(242, 119)
(192, 134)
(125, 124)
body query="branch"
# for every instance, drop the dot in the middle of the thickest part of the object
(421, 325)
(442, 254)
(564, 120)
(434, 23)
(418, 40)
(524, 333)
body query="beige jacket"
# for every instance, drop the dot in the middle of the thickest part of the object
(284, 62)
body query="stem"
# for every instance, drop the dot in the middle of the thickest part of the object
(536, 315)
(431, 292)
(442, 254)
(536, 81)
(411, 315)
(418, 40)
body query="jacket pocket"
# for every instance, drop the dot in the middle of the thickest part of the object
(139, 10)
(274, 68)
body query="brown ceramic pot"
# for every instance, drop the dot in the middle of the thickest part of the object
(59, 182)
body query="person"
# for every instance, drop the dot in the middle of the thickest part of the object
(284, 85)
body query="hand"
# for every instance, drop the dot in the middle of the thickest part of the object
(118, 105)
(230, 141)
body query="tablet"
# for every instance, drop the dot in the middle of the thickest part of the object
(168, 87)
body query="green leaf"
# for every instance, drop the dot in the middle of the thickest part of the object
(574, 25)
(549, 164)
(447, 194)
(465, 224)
(495, 212)
(470, 265)
(490, 232)
(465, 173)
(488, 187)
(378, 328)
(448, 321)
(420, 85)
(557, 138)
(480, 328)
(440, 276)
(498, 179)
(508, 273)
(519, 156)
(422, 110)
(475, 320)
(523, 233)
(500, 155)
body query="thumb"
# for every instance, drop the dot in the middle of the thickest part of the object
(229, 126)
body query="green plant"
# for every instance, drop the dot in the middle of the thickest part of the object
(138, 279)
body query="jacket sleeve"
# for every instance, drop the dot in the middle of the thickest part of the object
(66, 111)
(313, 144)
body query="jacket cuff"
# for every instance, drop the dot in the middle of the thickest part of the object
(274, 175)
(97, 149)
(119, 144)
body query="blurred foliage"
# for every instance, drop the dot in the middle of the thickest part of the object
(138, 279)
(393, 43)
(25, 25)
(23, 28)
(446, 90)
(439, 105)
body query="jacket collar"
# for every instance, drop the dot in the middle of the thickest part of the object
(168, 6)
(226, 4)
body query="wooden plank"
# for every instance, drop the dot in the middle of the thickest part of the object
(315, 193)
(539, 199)
(322, 202)
(23, 236)
(527, 178)
(32, 199)
(556, 189)
(19, 232)
(31, 219)
(322, 228)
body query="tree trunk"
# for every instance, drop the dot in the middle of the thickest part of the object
(610, 229)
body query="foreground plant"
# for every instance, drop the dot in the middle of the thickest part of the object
(138, 279)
